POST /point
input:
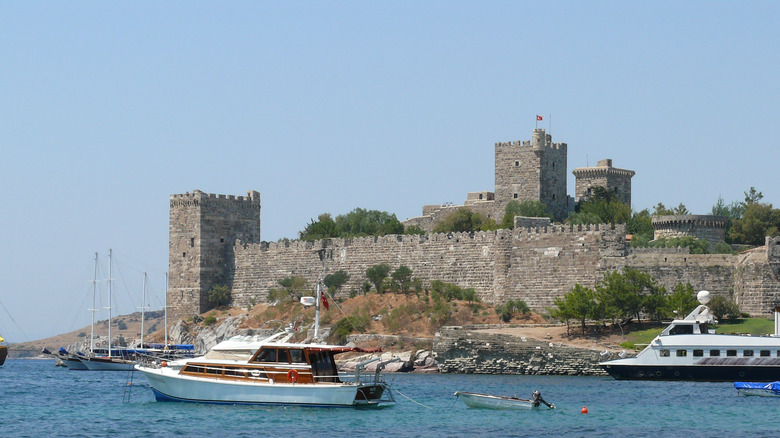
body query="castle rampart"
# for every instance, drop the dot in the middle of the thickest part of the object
(710, 228)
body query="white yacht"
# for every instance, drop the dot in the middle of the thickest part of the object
(689, 349)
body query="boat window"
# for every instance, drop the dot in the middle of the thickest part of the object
(296, 356)
(664, 353)
(681, 353)
(684, 329)
(731, 352)
(266, 355)
(282, 356)
(213, 370)
(234, 373)
(698, 353)
(747, 353)
(714, 352)
(765, 353)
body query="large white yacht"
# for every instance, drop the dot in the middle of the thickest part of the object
(689, 349)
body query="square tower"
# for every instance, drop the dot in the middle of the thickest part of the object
(203, 230)
(617, 181)
(532, 170)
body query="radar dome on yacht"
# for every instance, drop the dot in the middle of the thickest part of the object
(703, 297)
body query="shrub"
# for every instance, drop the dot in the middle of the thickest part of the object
(219, 295)
(209, 320)
(723, 307)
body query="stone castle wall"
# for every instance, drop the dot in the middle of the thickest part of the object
(465, 259)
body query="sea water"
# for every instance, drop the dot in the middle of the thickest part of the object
(39, 399)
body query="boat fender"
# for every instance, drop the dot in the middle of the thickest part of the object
(163, 364)
(292, 376)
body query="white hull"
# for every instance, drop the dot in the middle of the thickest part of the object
(486, 401)
(103, 364)
(169, 385)
(75, 364)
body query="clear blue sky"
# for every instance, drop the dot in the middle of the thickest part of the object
(107, 108)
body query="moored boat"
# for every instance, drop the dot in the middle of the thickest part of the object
(276, 373)
(758, 388)
(689, 349)
(3, 351)
(487, 401)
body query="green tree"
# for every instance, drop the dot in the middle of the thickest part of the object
(219, 295)
(640, 227)
(680, 210)
(683, 299)
(464, 220)
(402, 279)
(414, 229)
(603, 204)
(362, 222)
(528, 208)
(696, 246)
(377, 275)
(758, 221)
(323, 228)
(562, 312)
(293, 288)
(723, 307)
(470, 295)
(621, 294)
(579, 303)
(661, 210)
(335, 280)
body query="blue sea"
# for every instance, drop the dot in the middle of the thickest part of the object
(39, 399)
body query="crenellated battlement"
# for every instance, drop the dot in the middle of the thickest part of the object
(198, 197)
(528, 144)
(574, 230)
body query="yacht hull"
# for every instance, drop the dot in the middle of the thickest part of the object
(105, 364)
(708, 373)
(169, 386)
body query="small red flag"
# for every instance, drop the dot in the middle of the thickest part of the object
(325, 302)
(538, 118)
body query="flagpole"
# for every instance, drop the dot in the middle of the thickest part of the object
(550, 122)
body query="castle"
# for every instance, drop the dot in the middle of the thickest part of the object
(215, 240)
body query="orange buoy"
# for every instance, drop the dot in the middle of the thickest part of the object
(292, 376)
(163, 364)
(584, 410)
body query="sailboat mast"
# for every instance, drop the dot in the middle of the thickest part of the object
(110, 291)
(94, 293)
(165, 306)
(143, 308)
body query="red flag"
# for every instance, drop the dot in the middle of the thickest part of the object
(538, 118)
(324, 301)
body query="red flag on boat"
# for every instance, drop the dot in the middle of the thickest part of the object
(325, 301)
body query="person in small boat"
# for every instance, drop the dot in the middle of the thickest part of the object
(537, 399)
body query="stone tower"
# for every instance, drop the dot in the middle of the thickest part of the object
(532, 170)
(615, 180)
(203, 230)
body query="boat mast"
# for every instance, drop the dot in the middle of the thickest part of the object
(143, 308)
(165, 306)
(110, 291)
(93, 309)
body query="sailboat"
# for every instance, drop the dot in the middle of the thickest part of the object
(110, 362)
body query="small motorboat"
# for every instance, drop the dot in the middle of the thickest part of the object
(758, 388)
(486, 401)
